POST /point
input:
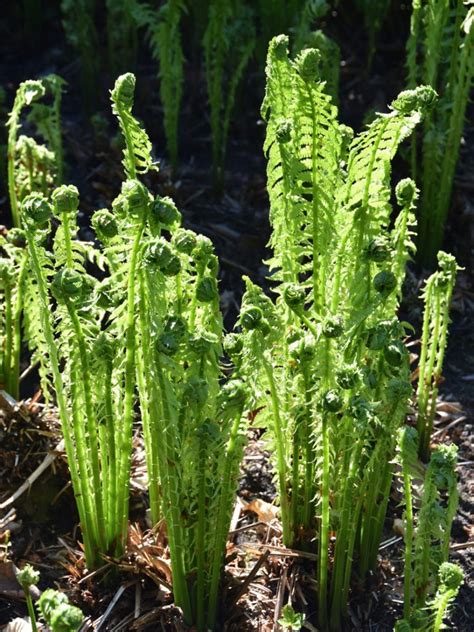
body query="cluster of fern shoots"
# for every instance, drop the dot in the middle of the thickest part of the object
(134, 318)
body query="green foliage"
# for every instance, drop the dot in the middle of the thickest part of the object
(13, 269)
(151, 328)
(330, 58)
(58, 613)
(192, 419)
(228, 44)
(374, 14)
(137, 152)
(33, 167)
(79, 24)
(326, 360)
(430, 582)
(90, 352)
(290, 619)
(440, 53)
(450, 578)
(28, 577)
(121, 35)
(164, 35)
(437, 295)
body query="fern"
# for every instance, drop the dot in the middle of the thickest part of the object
(121, 35)
(79, 25)
(440, 54)
(437, 298)
(192, 423)
(165, 42)
(428, 588)
(326, 360)
(31, 166)
(90, 349)
(137, 153)
(228, 43)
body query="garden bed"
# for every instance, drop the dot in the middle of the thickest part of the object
(40, 526)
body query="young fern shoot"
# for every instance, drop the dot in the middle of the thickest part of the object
(437, 295)
(228, 43)
(90, 348)
(427, 589)
(164, 36)
(440, 53)
(326, 360)
(192, 422)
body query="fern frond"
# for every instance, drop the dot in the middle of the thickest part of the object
(137, 154)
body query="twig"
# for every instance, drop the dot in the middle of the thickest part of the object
(42, 467)
(442, 431)
(28, 370)
(281, 551)
(250, 577)
(279, 598)
(111, 606)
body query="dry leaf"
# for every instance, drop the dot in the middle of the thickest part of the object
(265, 511)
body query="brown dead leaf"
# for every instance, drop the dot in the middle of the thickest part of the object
(266, 512)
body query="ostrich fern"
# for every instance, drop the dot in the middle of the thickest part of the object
(33, 167)
(427, 589)
(326, 360)
(192, 422)
(90, 350)
(228, 44)
(440, 53)
(164, 35)
(437, 298)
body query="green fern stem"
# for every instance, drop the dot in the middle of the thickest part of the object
(222, 519)
(152, 463)
(379, 511)
(78, 469)
(408, 542)
(93, 438)
(111, 440)
(86, 384)
(324, 533)
(14, 387)
(309, 483)
(280, 448)
(201, 535)
(325, 493)
(295, 478)
(342, 540)
(428, 381)
(129, 390)
(318, 282)
(172, 504)
(12, 193)
(8, 294)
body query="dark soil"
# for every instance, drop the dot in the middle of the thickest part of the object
(43, 525)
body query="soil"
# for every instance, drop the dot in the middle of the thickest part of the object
(42, 523)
